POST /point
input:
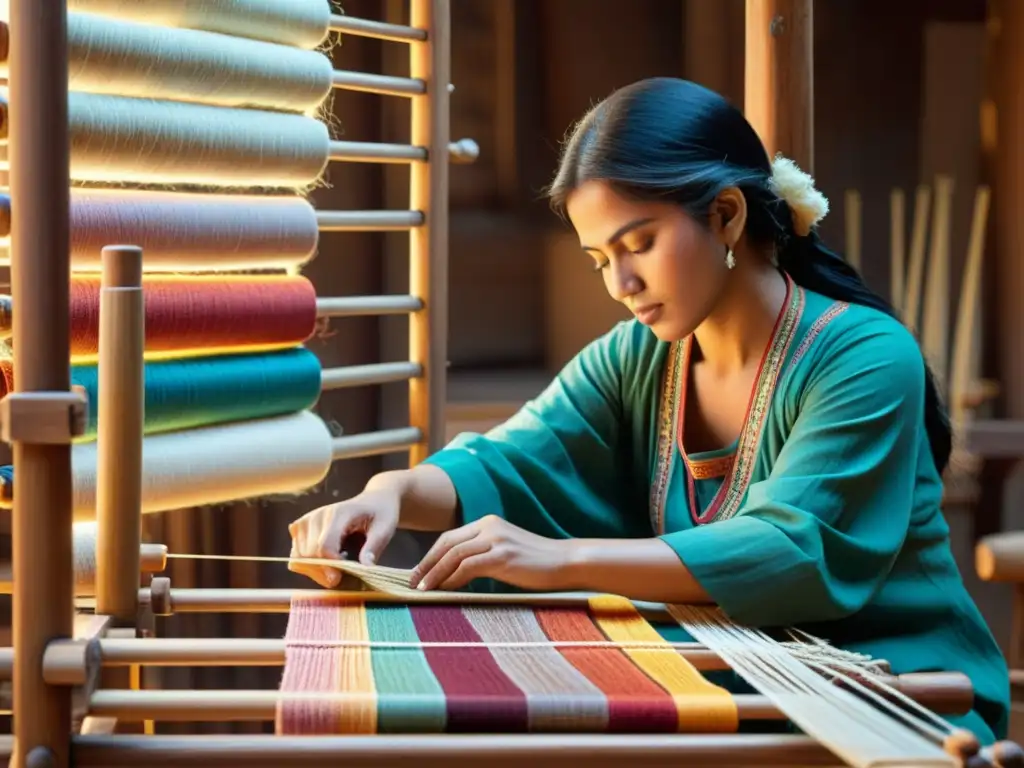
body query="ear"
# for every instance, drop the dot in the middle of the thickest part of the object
(729, 216)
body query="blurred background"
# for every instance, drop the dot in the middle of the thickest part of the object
(917, 110)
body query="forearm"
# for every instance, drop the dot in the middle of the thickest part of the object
(429, 500)
(640, 569)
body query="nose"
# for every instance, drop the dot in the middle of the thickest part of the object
(621, 280)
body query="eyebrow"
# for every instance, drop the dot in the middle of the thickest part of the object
(621, 232)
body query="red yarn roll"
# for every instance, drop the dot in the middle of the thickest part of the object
(205, 313)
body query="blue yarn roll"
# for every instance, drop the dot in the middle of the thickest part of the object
(196, 392)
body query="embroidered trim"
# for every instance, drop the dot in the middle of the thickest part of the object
(666, 436)
(824, 319)
(727, 502)
(705, 469)
(729, 496)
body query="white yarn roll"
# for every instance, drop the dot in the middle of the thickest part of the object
(190, 232)
(117, 139)
(300, 23)
(130, 59)
(216, 465)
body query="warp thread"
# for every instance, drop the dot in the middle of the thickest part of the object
(126, 58)
(198, 315)
(118, 139)
(202, 391)
(299, 23)
(209, 465)
(181, 232)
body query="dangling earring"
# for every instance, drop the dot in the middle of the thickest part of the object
(730, 260)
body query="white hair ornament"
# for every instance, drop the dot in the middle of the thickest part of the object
(807, 204)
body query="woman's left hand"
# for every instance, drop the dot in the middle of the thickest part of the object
(492, 548)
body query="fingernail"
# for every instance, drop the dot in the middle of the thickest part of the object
(368, 558)
(422, 586)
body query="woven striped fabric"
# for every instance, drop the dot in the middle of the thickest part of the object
(502, 671)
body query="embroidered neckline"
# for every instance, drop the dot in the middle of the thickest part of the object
(741, 463)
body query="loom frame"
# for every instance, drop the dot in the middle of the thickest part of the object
(47, 664)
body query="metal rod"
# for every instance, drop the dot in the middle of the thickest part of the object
(375, 443)
(461, 151)
(122, 397)
(366, 375)
(40, 271)
(453, 751)
(368, 221)
(385, 85)
(430, 62)
(376, 29)
(261, 706)
(358, 306)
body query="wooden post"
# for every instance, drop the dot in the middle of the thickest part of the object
(40, 269)
(779, 77)
(428, 245)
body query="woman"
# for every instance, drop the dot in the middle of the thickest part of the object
(764, 435)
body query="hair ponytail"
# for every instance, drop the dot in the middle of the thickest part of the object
(815, 267)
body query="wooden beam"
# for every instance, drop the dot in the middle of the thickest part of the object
(779, 77)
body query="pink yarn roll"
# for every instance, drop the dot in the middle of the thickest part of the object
(181, 232)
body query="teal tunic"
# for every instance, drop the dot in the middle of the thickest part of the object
(825, 515)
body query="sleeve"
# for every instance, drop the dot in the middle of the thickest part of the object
(553, 468)
(816, 539)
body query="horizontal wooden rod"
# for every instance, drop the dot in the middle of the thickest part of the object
(461, 151)
(385, 85)
(537, 750)
(368, 221)
(153, 560)
(212, 706)
(374, 443)
(368, 375)
(399, 33)
(359, 306)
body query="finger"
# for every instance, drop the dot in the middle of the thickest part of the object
(378, 536)
(318, 574)
(451, 560)
(478, 566)
(443, 543)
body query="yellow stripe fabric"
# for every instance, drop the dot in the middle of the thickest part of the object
(701, 706)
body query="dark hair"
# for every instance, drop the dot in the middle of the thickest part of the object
(673, 140)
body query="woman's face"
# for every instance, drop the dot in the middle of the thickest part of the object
(668, 269)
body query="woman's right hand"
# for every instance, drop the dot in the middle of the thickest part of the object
(322, 533)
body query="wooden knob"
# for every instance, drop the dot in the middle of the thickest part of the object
(1006, 754)
(962, 745)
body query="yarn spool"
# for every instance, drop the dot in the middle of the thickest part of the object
(198, 315)
(202, 391)
(188, 232)
(83, 542)
(116, 139)
(210, 465)
(124, 58)
(299, 23)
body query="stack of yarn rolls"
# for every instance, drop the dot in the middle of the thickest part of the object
(195, 134)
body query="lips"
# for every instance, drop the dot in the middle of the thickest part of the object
(648, 314)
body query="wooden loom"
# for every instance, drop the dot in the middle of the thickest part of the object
(74, 699)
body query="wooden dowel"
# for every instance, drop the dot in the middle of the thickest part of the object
(261, 706)
(450, 751)
(40, 263)
(376, 29)
(375, 443)
(1000, 557)
(430, 63)
(359, 306)
(364, 375)
(122, 397)
(368, 221)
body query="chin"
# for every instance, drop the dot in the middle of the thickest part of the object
(669, 332)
